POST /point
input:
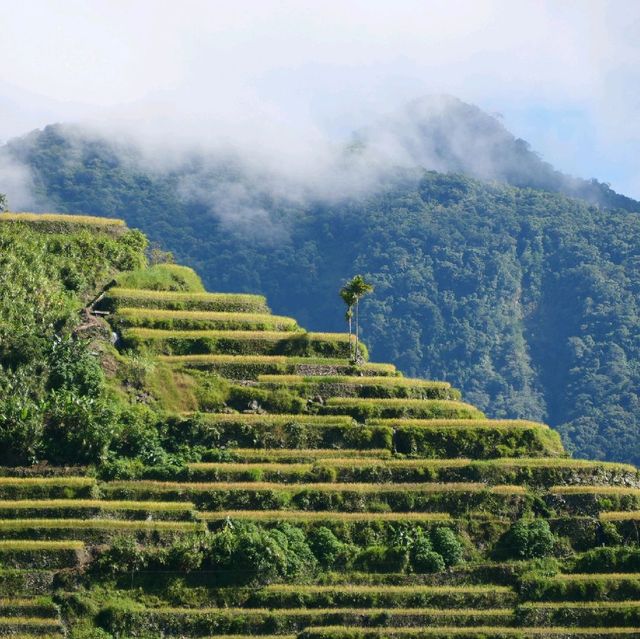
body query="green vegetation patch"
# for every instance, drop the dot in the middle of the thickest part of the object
(249, 367)
(479, 632)
(311, 516)
(582, 587)
(296, 343)
(205, 621)
(474, 438)
(180, 300)
(366, 409)
(202, 320)
(364, 387)
(46, 487)
(162, 277)
(281, 431)
(360, 596)
(256, 495)
(604, 614)
(70, 508)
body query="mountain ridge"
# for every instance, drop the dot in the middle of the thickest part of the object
(525, 298)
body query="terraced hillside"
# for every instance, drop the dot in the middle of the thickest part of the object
(308, 496)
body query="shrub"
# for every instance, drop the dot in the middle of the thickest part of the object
(621, 559)
(380, 558)
(254, 554)
(328, 549)
(123, 555)
(528, 539)
(447, 545)
(78, 429)
(423, 558)
(73, 367)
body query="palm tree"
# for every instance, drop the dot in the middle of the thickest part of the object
(349, 299)
(352, 292)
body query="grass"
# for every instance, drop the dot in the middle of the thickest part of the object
(162, 277)
(277, 420)
(386, 588)
(300, 455)
(88, 220)
(266, 336)
(311, 516)
(353, 380)
(71, 482)
(250, 366)
(97, 524)
(620, 516)
(597, 576)
(366, 409)
(14, 545)
(482, 632)
(505, 424)
(594, 490)
(554, 605)
(180, 300)
(190, 342)
(99, 504)
(168, 320)
(427, 487)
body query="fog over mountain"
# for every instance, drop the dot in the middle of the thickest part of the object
(492, 269)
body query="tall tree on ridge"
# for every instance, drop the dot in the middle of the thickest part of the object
(352, 292)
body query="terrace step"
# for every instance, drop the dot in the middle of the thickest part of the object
(336, 465)
(249, 367)
(603, 614)
(201, 320)
(297, 343)
(179, 301)
(224, 621)
(310, 516)
(295, 455)
(41, 554)
(594, 499)
(480, 632)
(28, 582)
(364, 409)
(363, 596)
(582, 587)
(423, 497)
(95, 508)
(285, 431)
(36, 626)
(362, 387)
(46, 487)
(90, 530)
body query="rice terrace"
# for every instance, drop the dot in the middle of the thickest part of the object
(229, 474)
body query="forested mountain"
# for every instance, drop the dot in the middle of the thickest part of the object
(526, 299)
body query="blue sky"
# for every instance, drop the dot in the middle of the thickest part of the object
(564, 75)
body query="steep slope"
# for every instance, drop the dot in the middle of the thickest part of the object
(303, 495)
(527, 300)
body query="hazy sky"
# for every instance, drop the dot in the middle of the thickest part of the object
(565, 75)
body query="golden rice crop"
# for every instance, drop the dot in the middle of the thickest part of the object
(426, 487)
(352, 380)
(506, 424)
(98, 524)
(28, 504)
(633, 515)
(25, 544)
(57, 217)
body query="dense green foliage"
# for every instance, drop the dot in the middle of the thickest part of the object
(291, 502)
(526, 300)
(53, 399)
